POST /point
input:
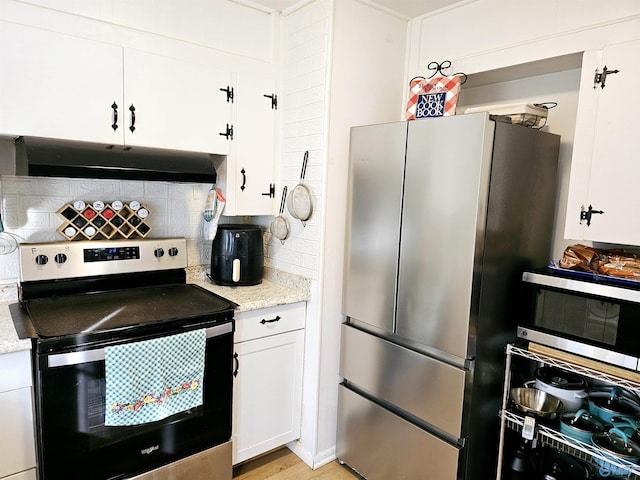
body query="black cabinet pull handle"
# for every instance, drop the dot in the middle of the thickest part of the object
(115, 116)
(132, 109)
(273, 320)
(244, 179)
(235, 359)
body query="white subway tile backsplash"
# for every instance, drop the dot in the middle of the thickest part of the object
(305, 60)
(131, 190)
(41, 203)
(175, 210)
(156, 190)
(14, 220)
(10, 203)
(91, 190)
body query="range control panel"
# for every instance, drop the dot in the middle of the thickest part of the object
(61, 260)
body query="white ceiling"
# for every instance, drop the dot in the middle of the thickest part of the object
(409, 8)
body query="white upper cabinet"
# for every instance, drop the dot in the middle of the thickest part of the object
(605, 166)
(59, 86)
(250, 168)
(169, 103)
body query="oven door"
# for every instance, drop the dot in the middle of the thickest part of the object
(74, 442)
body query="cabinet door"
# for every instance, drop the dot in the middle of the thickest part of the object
(250, 168)
(605, 167)
(58, 86)
(17, 445)
(267, 394)
(170, 103)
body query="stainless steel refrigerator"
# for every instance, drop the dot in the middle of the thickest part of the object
(443, 216)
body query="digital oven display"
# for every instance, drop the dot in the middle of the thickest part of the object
(111, 253)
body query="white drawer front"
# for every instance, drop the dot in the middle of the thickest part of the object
(269, 321)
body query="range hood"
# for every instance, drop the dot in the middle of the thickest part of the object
(47, 157)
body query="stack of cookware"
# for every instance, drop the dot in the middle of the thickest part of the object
(600, 416)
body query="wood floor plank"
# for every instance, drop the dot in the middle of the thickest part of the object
(285, 465)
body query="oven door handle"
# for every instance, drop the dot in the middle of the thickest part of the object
(97, 354)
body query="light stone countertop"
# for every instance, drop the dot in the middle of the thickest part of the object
(277, 288)
(9, 341)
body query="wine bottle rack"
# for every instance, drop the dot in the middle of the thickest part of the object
(103, 221)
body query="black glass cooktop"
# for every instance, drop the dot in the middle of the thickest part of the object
(117, 310)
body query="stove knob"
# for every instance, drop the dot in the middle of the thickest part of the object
(42, 259)
(60, 258)
(158, 252)
(173, 251)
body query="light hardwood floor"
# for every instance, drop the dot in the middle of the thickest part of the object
(285, 465)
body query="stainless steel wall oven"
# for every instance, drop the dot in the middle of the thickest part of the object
(78, 299)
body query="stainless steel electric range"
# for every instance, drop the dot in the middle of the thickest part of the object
(79, 300)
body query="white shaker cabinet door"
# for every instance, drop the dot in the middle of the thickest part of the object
(251, 165)
(59, 86)
(174, 104)
(17, 445)
(267, 394)
(605, 168)
(17, 442)
(28, 475)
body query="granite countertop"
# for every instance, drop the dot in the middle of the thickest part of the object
(277, 288)
(9, 341)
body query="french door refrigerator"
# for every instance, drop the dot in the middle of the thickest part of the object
(443, 216)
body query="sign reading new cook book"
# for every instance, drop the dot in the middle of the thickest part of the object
(433, 97)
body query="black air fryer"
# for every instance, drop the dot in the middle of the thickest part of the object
(237, 255)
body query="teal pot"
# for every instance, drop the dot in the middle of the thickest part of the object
(580, 425)
(606, 406)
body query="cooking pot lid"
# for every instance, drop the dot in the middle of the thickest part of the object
(560, 379)
(554, 464)
(616, 405)
(584, 422)
(614, 443)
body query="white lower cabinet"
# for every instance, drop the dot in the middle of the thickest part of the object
(17, 444)
(267, 392)
(28, 475)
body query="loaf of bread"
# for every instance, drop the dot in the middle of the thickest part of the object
(581, 257)
(620, 265)
(615, 262)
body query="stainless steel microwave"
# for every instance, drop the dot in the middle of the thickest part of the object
(585, 315)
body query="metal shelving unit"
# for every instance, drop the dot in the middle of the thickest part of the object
(548, 436)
